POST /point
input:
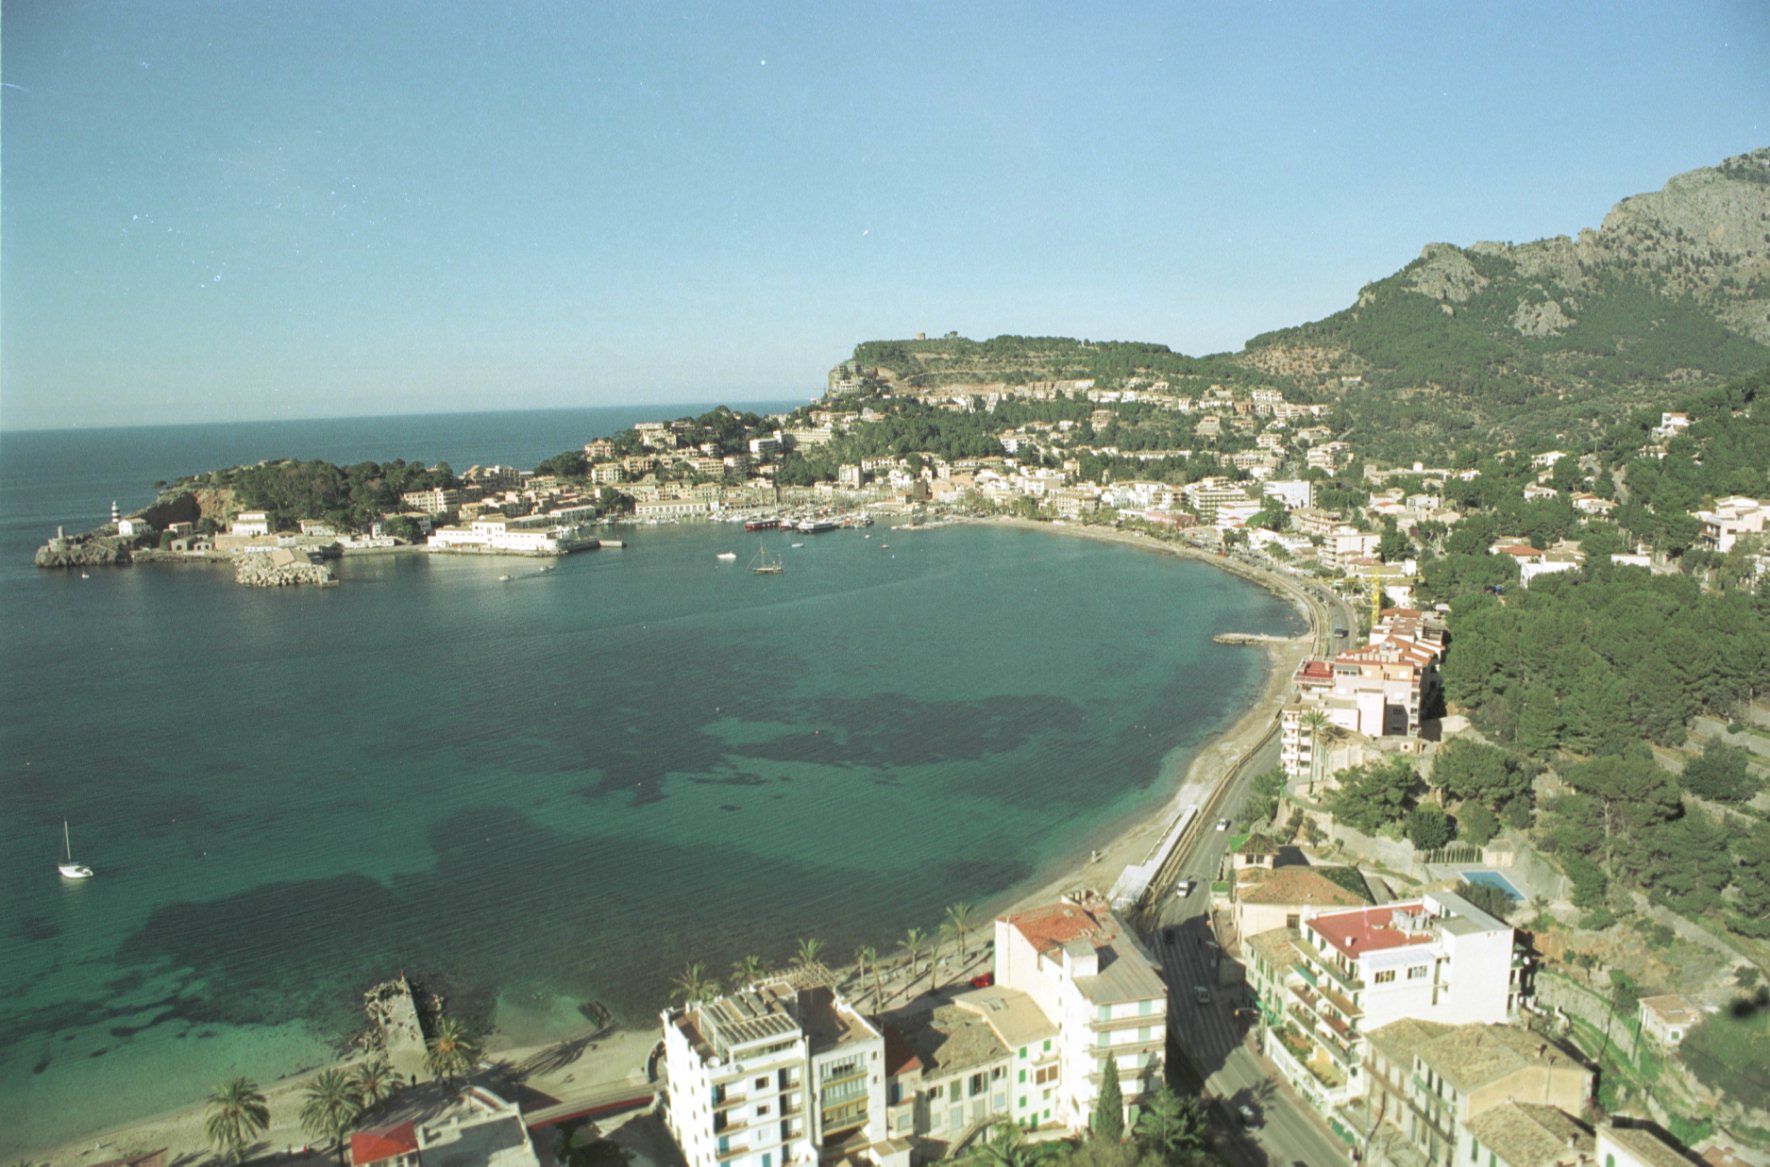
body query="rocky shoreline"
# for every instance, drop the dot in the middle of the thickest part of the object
(282, 569)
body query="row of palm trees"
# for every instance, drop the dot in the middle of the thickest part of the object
(334, 1102)
(696, 985)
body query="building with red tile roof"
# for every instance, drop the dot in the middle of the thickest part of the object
(395, 1145)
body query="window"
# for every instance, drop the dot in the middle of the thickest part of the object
(1023, 1075)
(1105, 1013)
(762, 1083)
(1145, 1008)
(1145, 1032)
(1047, 1050)
(1046, 1074)
(1417, 972)
(934, 1092)
(1023, 1051)
(1384, 977)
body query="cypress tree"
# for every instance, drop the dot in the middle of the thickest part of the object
(1109, 1108)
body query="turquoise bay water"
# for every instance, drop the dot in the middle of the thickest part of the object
(545, 791)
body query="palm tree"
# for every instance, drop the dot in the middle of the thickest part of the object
(1006, 1146)
(238, 1114)
(330, 1108)
(943, 935)
(694, 986)
(808, 954)
(911, 944)
(1316, 722)
(374, 1083)
(453, 1050)
(867, 957)
(1172, 1126)
(959, 916)
(747, 971)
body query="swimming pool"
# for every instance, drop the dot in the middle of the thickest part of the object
(1494, 879)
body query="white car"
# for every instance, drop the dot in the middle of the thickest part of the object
(1184, 887)
(1222, 824)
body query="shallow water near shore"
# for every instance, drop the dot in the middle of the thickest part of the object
(551, 790)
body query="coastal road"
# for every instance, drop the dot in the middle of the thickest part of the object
(1284, 1132)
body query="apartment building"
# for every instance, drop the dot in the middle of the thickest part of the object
(1208, 495)
(1730, 519)
(991, 1056)
(774, 1076)
(1092, 977)
(433, 502)
(1341, 975)
(1485, 1094)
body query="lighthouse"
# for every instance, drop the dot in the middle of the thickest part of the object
(114, 515)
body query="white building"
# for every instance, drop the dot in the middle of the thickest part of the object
(1092, 978)
(250, 523)
(1731, 518)
(1295, 492)
(774, 1076)
(1343, 974)
(498, 533)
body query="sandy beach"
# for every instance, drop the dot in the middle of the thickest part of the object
(575, 1066)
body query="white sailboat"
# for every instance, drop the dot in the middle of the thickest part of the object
(762, 565)
(70, 869)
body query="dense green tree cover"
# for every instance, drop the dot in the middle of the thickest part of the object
(1374, 794)
(1487, 778)
(1428, 827)
(1626, 821)
(1022, 359)
(1720, 773)
(1588, 665)
(351, 497)
(571, 464)
(1440, 375)
(1476, 824)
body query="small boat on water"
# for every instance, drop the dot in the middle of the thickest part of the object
(762, 524)
(503, 579)
(728, 556)
(798, 544)
(762, 565)
(816, 526)
(70, 869)
(85, 575)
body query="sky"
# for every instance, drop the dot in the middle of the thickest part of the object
(235, 211)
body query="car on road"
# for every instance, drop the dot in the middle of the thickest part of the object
(983, 980)
(1222, 824)
(1339, 633)
(1201, 994)
(1184, 887)
(1246, 1115)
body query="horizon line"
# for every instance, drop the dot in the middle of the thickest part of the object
(662, 405)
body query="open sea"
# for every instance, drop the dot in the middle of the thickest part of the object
(542, 792)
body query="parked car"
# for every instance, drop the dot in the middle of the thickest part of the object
(1340, 633)
(1246, 1114)
(1184, 887)
(1222, 824)
(983, 980)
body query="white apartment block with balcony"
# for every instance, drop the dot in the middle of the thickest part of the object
(1731, 518)
(775, 1076)
(1093, 979)
(1343, 974)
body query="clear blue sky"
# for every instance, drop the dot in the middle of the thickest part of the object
(251, 210)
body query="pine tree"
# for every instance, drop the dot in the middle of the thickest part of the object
(1109, 1108)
